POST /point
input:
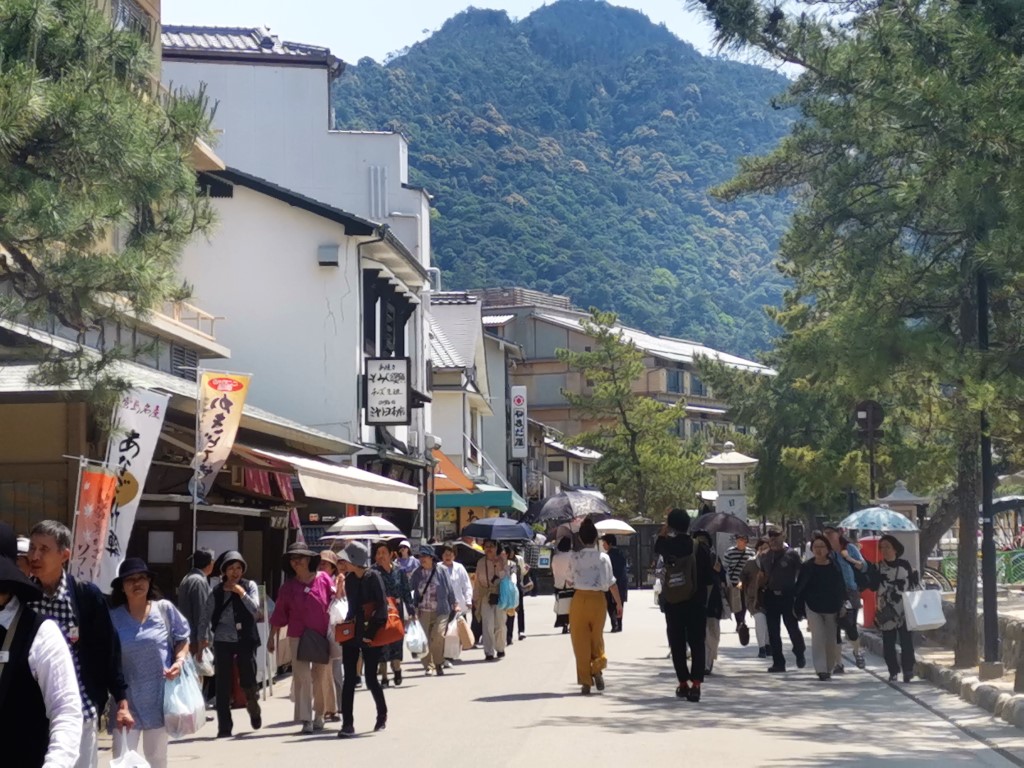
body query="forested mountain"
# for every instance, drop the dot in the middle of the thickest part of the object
(572, 152)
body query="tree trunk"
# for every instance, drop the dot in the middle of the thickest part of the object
(966, 496)
(941, 519)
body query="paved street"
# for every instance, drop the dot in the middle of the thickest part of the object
(527, 709)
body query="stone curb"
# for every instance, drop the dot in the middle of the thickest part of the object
(992, 698)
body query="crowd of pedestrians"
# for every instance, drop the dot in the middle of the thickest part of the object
(77, 656)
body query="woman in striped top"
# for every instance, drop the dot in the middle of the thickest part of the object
(735, 558)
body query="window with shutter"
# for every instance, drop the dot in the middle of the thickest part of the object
(184, 362)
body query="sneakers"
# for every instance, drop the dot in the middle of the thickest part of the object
(440, 671)
(824, 676)
(599, 681)
(762, 652)
(346, 732)
(775, 668)
(858, 658)
(384, 682)
(893, 677)
(307, 727)
(907, 678)
(839, 669)
(429, 672)
(585, 690)
(489, 658)
(522, 635)
(501, 654)
(693, 692)
(381, 724)
(318, 724)
(801, 660)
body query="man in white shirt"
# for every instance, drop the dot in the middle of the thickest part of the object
(40, 705)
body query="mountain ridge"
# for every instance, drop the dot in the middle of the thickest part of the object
(571, 151)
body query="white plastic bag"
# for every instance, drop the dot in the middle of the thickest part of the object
(128, 758)
(184, 706)
(452, 644)
(336, 615)
(924, 610)
(657, 592)
(415, 638)
(205, 664)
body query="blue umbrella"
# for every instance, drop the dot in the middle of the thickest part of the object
(499, 529)
(878, 519)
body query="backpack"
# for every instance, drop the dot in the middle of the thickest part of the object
(680, 582)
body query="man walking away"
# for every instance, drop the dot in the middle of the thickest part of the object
(80, 611)
(620, 571)
(736, 557)
(684, 595)
(40, 707)
(193, 596)
(781, 567)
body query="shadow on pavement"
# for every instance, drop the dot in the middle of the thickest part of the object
(522, 697)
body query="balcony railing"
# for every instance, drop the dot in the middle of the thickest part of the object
(192, 317)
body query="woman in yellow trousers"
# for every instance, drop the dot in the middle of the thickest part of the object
(591, 575)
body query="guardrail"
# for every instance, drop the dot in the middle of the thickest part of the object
(1009, 567)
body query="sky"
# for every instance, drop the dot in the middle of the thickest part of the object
(353, 29)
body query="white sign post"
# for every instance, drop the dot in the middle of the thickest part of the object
(520, 428)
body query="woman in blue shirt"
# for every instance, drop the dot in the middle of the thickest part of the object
(154, 643)
(848, 557)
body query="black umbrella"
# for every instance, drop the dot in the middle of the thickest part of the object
(499, 529)
(720, 522)
(569, 505)
(464, 553)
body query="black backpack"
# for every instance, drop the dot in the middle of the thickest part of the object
(680, 582)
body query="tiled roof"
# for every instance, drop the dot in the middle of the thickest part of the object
(442, 353)
(246, 41)
(664, 347)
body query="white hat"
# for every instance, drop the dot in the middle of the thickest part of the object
(23, 544)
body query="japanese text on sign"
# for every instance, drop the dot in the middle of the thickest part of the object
(519, 426)
(388, 391)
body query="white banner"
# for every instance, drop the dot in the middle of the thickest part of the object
(221, 400)
(520, 428)
(138, 419)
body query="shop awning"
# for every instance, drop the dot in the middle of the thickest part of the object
(484, 496)
(448, 477)
(335, 482)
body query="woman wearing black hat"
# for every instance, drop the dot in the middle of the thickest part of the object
(302, 606)
(230, 617)
(154, 646)
(42, 722)
(890, 580)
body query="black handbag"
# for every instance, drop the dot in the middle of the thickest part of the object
(313, 647)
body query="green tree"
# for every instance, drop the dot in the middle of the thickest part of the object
(908, 160)
(644, 468)
(97, 196)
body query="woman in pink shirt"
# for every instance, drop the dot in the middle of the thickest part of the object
(302, 606)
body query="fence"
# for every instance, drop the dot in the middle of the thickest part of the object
(1009, 567)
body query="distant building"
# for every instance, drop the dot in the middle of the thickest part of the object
(541, 323)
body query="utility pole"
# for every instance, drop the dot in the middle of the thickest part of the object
(869, 417)
(992, 667)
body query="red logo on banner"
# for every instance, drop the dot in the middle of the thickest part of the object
(226, 385)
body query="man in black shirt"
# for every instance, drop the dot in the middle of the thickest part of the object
(685, 619)
(780, 567)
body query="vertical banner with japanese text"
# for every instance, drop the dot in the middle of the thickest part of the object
(220, 403)
(97, 487)
(138, 419)
(519, 426)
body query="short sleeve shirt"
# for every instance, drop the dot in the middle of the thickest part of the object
(146, 651)
(591, 570)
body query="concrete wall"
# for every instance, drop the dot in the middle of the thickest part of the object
(292, 323)
(495, 437)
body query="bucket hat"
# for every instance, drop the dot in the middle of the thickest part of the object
(896, 544)
(12, 580)
(298, 548)
(357, 554)
(233, 556)
(327, 556)
(426, 551)
(131, 567)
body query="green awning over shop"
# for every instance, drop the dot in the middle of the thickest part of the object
(484, 496)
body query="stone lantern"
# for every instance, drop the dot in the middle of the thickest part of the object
(731, 468)
(903, 500)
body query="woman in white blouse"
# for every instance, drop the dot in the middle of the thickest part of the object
(591, 576)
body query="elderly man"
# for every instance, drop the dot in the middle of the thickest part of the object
(780, 567)
(735, 558)
(194, 595)
(490, 570)
(80, 611)
(40, 708)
